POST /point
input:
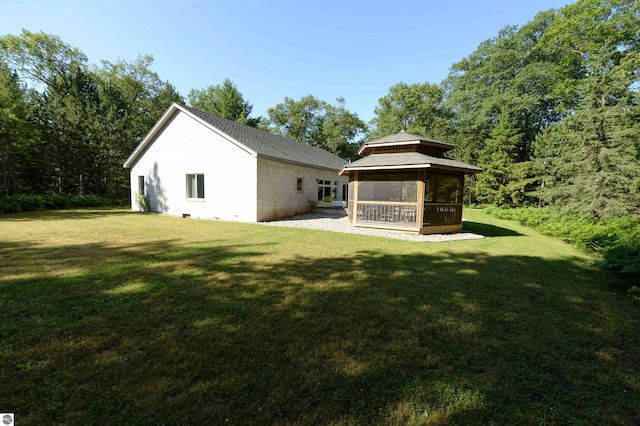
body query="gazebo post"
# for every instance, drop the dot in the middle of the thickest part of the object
(422, 176)
(356, 183)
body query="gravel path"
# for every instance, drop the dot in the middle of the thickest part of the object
(338, 223)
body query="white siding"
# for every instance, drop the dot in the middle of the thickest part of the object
(187, 147)
(278, 196)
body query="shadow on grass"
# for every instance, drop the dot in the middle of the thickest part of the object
(219, 334)
(63, 214)
(488, 230)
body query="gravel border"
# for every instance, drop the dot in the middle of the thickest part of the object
(339, 223)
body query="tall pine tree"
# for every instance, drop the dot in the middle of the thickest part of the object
(591, 157)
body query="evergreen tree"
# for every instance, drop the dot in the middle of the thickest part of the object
(89, 119)
(592, 156)
(225, 101)
(16, 131)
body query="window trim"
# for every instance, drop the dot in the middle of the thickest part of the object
(300, 184)
(192, 178)
(141, 185)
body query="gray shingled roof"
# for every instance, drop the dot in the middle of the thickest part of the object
(268, 145)
(409, 160)
(403, 136)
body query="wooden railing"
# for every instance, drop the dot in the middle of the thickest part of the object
(387, 212)
(435, 214)
(442, 214)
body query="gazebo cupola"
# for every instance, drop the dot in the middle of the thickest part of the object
(404, 182)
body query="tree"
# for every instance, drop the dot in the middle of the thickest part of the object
(225, 101)
(501, 97)
(132, 98)
(497, 160)
(89, 119)
(310, 120)
(16, 130)
(342, 130)
(592, 155)
(415, 108)
(61, 73)
(301, 120)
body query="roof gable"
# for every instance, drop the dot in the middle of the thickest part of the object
(255, 141)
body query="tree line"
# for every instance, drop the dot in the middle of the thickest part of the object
(550, 110)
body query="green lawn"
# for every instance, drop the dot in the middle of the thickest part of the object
(112, 317)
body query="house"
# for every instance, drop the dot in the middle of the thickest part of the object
(405, 183)
(194, 164)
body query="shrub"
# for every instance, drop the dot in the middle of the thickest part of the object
(25, 203)
(143, 202)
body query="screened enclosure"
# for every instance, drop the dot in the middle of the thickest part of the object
(388, 197)
(406, 200)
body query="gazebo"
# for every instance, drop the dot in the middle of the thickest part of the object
(405, 183)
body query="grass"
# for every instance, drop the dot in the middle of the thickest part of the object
(112, 317)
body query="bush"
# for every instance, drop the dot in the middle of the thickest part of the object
(26, 203)
(143, 202)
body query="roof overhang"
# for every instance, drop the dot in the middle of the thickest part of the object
(295, 163)
(411, 160)
(468, 171)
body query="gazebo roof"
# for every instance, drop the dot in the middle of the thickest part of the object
(407, 160)
(404, 138)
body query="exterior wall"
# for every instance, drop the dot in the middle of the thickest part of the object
(278, 196)
(187, 147)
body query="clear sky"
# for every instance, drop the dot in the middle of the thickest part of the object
(272, 49)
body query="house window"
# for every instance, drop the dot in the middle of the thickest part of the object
(326, 192)
(299, 185)
(195, 186)
(141, 185)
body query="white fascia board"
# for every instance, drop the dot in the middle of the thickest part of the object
(398, 166)
(410, 166)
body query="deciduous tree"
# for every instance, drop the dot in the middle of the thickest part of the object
(310, 120)
(415, 108)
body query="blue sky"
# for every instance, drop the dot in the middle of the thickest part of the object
(272, 49)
